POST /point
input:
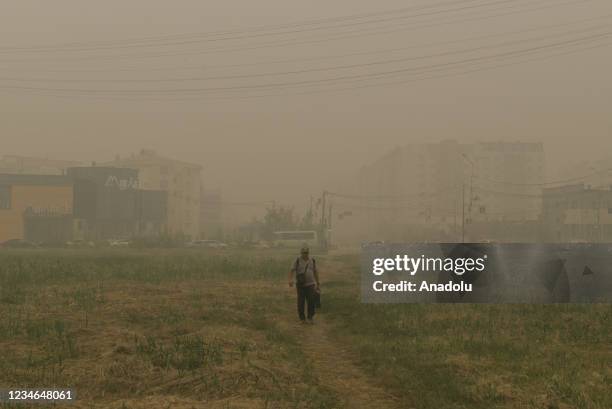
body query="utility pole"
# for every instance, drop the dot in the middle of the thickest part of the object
(601, 206)
(599, 194)
(311, 209)
(471, 195)
(323, 238)
(455, 217)
(329, 222)
(463, 213)
(598, 210)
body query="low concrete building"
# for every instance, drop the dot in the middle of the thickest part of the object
(109, 204)
(577, 213)
(29, 196)
(28, 165)
(181, 180)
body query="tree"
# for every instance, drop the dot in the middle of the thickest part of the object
(276, 219)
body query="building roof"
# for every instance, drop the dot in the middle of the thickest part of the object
(150, 157)
(574, 189)
(34, 180)
(38, 160)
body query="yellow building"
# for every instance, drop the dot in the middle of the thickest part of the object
(180, 179)
(39, 194)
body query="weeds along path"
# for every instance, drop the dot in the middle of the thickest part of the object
(333, 366)
(333, 363)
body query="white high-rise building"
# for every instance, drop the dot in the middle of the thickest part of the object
(425, 189)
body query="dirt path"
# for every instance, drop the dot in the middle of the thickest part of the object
(335, 369)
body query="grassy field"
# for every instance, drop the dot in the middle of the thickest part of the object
(194, 329)
(478, 356)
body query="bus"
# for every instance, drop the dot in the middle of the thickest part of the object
(295, 238)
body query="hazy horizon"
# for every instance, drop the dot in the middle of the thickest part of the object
(288, 147)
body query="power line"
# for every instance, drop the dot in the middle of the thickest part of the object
(340, 56)
(380, 74)
(245, 204)
(359, 33)
(59, 94)
(85, 47)
(371, 197)
(514, 194)
(555, 182)
(424, 78)
(394, 198)
(421, 78)
(393, 208)
(238, 31)
(306, 70)
(529, 196)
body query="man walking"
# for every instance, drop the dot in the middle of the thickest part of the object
(306, 276)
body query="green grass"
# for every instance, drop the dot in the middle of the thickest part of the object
(19, 269)
(480, 356)
(122, 325)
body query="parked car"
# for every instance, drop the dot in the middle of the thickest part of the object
(19, 244)
(377, 243)
(119, 243)
(252, 245)
(79, 244)
(211, 244)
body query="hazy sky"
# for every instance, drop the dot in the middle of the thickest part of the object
(289, 145)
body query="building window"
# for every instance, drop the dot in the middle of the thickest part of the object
(5, 197)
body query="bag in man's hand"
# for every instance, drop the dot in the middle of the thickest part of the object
(317, 299)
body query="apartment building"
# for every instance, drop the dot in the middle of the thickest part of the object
(439, 189)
